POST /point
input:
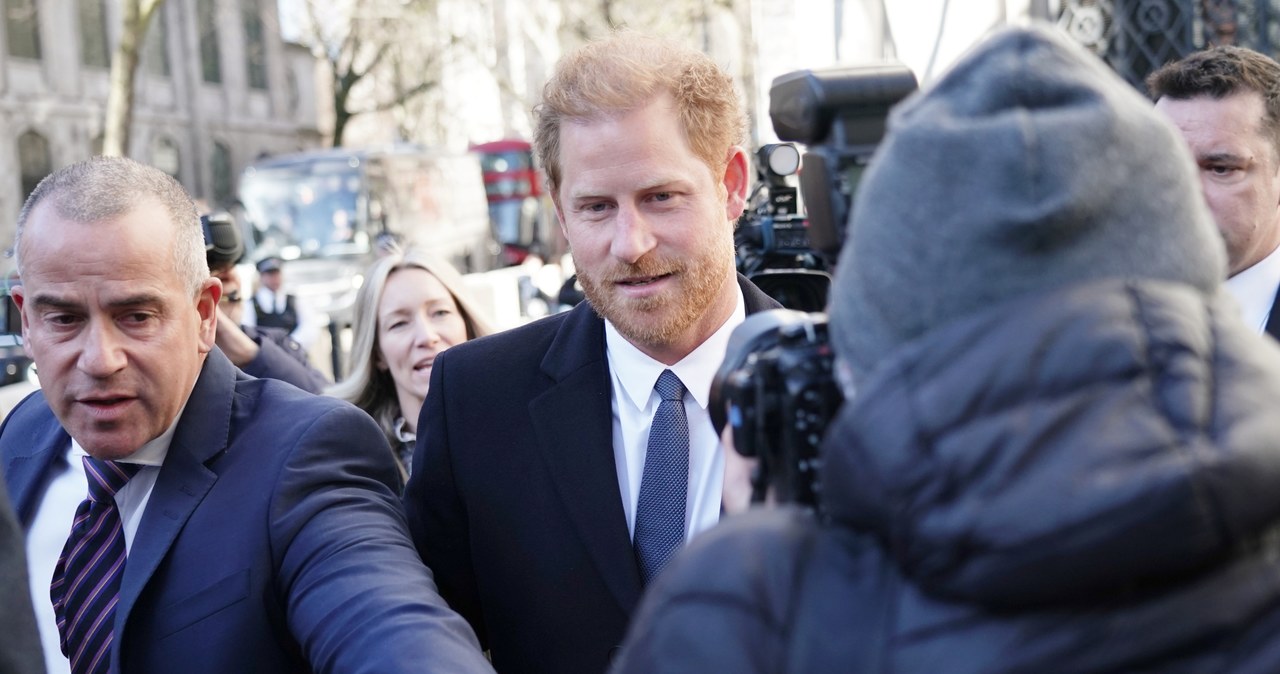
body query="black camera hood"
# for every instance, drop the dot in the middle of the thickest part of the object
(223, 244)
(804, 104)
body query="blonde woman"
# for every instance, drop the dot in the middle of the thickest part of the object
(411, 307)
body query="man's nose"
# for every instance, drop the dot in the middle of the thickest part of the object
(632, 236)
(102, 353)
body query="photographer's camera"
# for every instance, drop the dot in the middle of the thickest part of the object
(776, 388)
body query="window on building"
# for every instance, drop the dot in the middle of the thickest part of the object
(93, 34)
(255, 47)
(223, 190)
(22, 28)
(210, 54)
(155, 46)
(166, 156)
(34, 161)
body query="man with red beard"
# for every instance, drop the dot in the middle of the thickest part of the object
(537, 497)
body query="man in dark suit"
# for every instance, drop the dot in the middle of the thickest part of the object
(541, 485)
(233, 524)
(1224, 102)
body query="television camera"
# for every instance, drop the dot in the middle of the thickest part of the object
(772, 236)
(776, 389)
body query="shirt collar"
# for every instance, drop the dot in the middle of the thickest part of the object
(1254, 289)
(637, 372)
(403, 434)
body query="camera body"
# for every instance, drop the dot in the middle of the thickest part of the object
(776, 388)
(840, 114)
(778, 393)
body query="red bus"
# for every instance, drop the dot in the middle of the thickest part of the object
(514, 190)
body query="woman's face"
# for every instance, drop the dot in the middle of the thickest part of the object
(417, 319)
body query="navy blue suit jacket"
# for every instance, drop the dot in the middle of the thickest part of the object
(513, 500)
(272, 541)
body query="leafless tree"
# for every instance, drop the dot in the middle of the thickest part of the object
(375, 52)
(136, 18)
(679, 19)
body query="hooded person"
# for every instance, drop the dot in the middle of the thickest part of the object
(1060, 450)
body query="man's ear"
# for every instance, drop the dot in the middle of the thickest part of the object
(207, 309)
(737, 182)
(19, 295)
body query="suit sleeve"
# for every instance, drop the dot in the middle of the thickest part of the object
(359, 599)
(275, 362)
(435, 508)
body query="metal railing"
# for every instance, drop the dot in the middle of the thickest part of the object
(1138, 36)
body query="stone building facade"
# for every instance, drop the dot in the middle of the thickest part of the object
(217, 87)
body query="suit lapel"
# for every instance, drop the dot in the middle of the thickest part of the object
(574, 423)
(753, 298)
(184, 479)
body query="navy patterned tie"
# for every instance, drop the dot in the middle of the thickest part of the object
(660, 509)
(86, 581)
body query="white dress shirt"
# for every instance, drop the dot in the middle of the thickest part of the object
(635, 403)
(1254, 289)
(52, 524)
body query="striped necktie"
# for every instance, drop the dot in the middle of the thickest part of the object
(664, 485)
(86, 580)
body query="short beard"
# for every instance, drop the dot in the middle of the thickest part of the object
(664, 320)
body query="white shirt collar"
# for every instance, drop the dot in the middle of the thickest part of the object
(1254, 289)
(638, 372)
(403, 434)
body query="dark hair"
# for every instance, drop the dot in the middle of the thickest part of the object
(1219, 72)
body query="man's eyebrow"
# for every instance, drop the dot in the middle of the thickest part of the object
(643, 185)
(1228, 157)
(46, 302)
(661, 183)
(143, 299)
